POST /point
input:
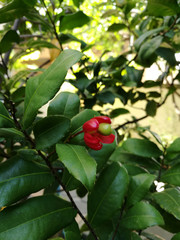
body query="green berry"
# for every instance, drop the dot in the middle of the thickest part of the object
(105, 129)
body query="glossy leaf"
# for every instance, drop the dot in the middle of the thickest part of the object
(50, 130)
(173, 149)
(5, 119)
(168, 54)
(12, 11)
(108, 194)
(162, 8)
(172, 176)
(69, 181)
(7, 41)
(172, 224)
(138, 187)
(65, 38)
(124, 233)
(116, 27)
(118, 111)
(106, 97)
(40, 89)
(141, 147)
(134, 76)
(19, 178)
(41, 44)
(151, 108)
(66, 104)
(134, 169)
(148, 48)
(144, 36)
(72, 232)
(141, 216)
(78, 162)
(102, 156)
(123, 156)
(74, 20)
(11, 133)
(36, 218)
(169, 200)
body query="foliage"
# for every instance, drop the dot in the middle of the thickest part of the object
(102, 49)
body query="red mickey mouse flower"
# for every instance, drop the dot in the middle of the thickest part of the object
(97, 131)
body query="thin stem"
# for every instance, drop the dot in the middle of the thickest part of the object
(53, 171)
(132, 121)
(53, 24)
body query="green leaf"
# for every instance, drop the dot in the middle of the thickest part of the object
(19, 178)
(41, 44)
(78, 162)
(77, 3)
(153, 94)
(18, 95)
(12, 11)
(134, 169)
(118, 111)
(66, 104)
(5, 119)
(102, 156)
(162, 8)
(173, 150)
(72, 232)
(141, 147)
(106, 97)
(141, 216)
(116, 27)
(151, 108)
(78, 120)
(50, 130)
(176, 237)
(144, 36)
(108, 194)
(125, 234)
(125, 157)
(40, 89)
(148, 48)
(138, 187)
(168, 54)
(171, 223)
(36, 218)
(69, 181)
(74, 20)
(169, 200)
(134, 76)
(172, 176)
(81, 82)
(65, 38)
(7, 41)
(11, 133)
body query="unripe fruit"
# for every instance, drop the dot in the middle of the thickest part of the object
(105, 129)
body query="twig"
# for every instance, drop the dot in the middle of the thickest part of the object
(53, 24)
(172, 25)
(132, 121)
(53, 171)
